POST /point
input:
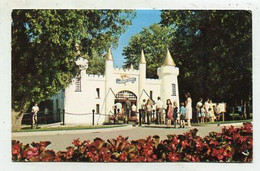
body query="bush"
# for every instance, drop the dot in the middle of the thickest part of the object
(231, 145)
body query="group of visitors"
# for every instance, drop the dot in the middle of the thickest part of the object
(158, 113)
(207, 112)
(129, 108)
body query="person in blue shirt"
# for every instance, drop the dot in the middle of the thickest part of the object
(182, 116)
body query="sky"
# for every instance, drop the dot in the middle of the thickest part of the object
(144, 18)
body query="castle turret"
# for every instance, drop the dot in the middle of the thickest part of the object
(109, 82)
(168, 74)
(142, 76)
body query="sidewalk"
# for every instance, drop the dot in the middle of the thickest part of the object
(69, 132)
(112, 129)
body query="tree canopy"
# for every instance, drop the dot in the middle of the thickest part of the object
(43, 47)
(212, 48)
(154, 40)
(214, 52)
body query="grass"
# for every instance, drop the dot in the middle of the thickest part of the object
(221, 122)
(200, 124)
(64, 128)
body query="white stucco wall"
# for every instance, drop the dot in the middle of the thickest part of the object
(79, 105)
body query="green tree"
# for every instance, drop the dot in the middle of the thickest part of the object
(154, 40)
(43, 52)
(214, 52)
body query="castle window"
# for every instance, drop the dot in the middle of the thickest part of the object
(78, 84)
(173, 90)
(98, 92)
(97, 108)
(151, 94)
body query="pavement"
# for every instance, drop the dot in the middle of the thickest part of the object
(62, 139)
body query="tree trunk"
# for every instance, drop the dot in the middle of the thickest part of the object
(16, 120)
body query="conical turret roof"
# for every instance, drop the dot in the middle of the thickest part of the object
(142, 59)
(168, 61)
(109, 56)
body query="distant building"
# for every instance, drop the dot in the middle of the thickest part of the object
(101, 92)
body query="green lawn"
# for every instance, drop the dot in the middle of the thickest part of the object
(63, 128)
(221, 122)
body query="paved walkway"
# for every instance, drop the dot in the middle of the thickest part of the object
(62, 139)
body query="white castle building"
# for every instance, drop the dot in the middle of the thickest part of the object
(101, 92)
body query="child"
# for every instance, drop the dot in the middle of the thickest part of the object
(202, 116)
(175, 113)
(182, 116)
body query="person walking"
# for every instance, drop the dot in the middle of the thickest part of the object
(169, 112)
(35, 110)
(175, 113)
(188, 108)
(159, 111)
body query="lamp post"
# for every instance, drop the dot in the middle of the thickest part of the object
(82, 63)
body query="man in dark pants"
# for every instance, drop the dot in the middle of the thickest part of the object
(35, 110)
(159, 111)
(128, 109)
(143, 108)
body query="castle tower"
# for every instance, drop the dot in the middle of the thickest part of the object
(168, 74)
(109, 97)
(142, 76)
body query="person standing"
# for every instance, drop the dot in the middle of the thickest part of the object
(159, 110)
(149, 110)
(128, 109)
(206, 105)
(169, 112)
(182, 116)
(202, 116)
(175, 113)
(133, 110)
(118, 107)
(211, 112)
(143, 110)
(188, 108)
(218, 111)
(198, 107)
(35, 110)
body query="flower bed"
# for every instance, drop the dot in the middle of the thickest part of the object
(133, 120)
(230, 145)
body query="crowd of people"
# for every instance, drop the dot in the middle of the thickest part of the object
(169, 114)
(207, 112)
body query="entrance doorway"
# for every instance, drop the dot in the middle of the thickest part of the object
(121, 98)
(122, 95)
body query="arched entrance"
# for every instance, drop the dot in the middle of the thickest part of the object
(122, 95)
(121, 98)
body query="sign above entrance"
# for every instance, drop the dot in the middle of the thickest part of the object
(125, 79)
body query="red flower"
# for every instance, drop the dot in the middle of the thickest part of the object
(15, 149)
(47, 156)
(173, 157)
(29, 153)
(76, 143)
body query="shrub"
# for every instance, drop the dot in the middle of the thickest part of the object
(230, 145)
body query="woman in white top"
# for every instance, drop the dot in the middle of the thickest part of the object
(188, 108)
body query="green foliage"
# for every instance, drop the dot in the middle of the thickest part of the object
(213, 50)
(154, 41)
(43, 52)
